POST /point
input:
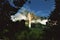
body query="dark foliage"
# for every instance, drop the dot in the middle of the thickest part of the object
(53, 31)
(7, 27)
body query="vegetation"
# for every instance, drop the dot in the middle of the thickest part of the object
(18, 31)
(53, 32)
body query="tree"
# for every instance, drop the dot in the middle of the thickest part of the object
(5, 22)
(54, 23)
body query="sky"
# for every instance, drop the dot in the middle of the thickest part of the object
(41, 7)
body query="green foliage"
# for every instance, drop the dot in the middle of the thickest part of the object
(21, 35)
(35, 33)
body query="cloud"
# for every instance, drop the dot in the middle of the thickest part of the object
(18, 17)
(40, 21)
(11, 3)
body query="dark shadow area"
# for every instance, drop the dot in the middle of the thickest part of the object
(7, 27)
(53, 26)
(18, 31)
